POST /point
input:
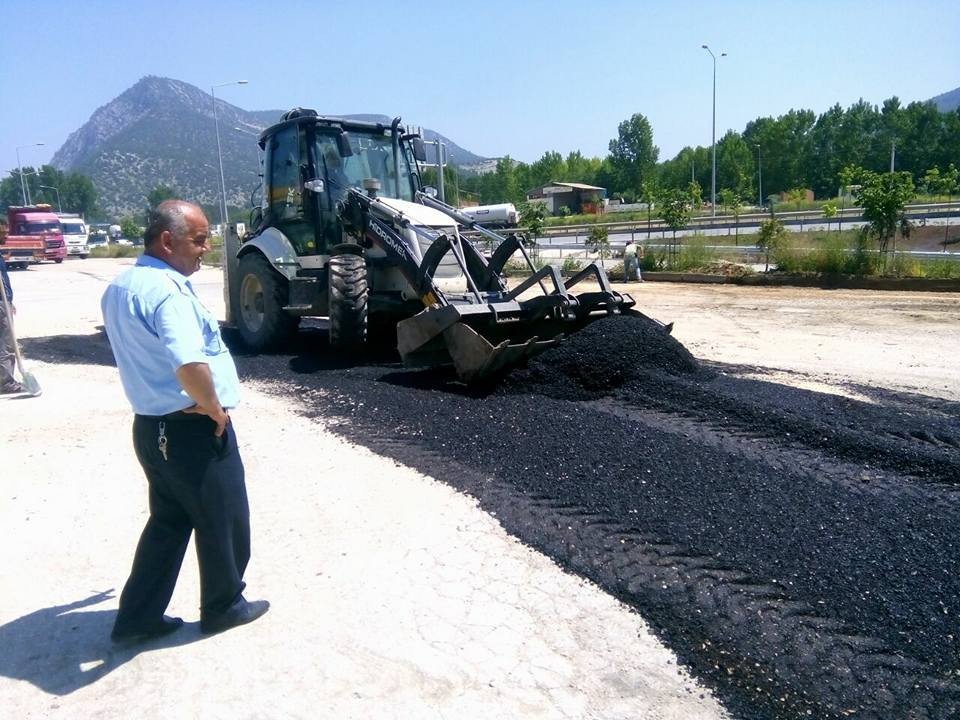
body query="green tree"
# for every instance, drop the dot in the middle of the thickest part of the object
(771, 237)
(695, 194)
(949, 183)
(130, 228)
(599, 242)
(830, 211)
(533, 216)
(734, 205)
(883, 197)
(159, 194)
(846, 176)
(675, 211)
(633, 154)
(931, 182)
(76, 192)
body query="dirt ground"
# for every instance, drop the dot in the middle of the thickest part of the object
(394, 594)
(896, 340)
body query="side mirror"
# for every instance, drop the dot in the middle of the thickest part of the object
(430, 190)
(343, 145)
(314, 185)
(419, 149)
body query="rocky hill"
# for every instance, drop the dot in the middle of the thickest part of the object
(161, 131)
(948, 101)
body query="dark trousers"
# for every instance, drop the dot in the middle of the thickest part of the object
(198, 488)
(7, 357)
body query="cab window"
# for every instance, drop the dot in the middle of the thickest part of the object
(285, 203)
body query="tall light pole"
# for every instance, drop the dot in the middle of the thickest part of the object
(224, 219)
(713, 181)
(23, 186)
(51, 187)
(257, 145)
(759, 180)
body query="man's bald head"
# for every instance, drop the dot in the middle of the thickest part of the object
(170, 215)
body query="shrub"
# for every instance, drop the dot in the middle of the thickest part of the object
(905, 266)
(518, 268)
(694, 254)
(571, 266)
(941, 269)
(116, 251)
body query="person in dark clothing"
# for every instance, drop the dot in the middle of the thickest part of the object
(181, 381)
(8, 383)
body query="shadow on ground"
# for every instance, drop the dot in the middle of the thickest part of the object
(93, 349)
(63, 648)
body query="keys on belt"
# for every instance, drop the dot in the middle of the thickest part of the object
(162, 440)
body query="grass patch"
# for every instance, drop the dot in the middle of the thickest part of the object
(116, 251)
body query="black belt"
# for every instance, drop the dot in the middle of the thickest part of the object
(174, 416)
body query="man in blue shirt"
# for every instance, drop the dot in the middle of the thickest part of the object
(8, 383)
(181, 381)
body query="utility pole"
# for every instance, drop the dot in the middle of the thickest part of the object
(713, 181)
(759, 179)
(224, 219)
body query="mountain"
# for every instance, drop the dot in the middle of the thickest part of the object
(948, 102)
(161, 131)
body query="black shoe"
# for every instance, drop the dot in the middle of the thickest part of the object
(240, 613)
(11, 388)
(166, 626)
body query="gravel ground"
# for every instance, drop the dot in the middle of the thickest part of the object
(780, 505)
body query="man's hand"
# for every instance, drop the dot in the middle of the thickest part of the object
(197, 380)
(221, 417)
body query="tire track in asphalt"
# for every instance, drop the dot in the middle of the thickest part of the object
(783, 580)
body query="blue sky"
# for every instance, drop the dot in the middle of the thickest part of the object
(498, 78)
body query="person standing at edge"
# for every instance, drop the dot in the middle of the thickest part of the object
(631, 263)
(8, 383)
(181, 381)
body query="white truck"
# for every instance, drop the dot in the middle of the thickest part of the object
(76, 235)
(503, 215)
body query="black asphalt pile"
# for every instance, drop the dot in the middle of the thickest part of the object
(795, 581)
(603, 356)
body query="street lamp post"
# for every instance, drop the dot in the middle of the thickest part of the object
(759, 180)
(23, 186)
(51, 187)
(713, 181)
(257, 145)
(224, 219)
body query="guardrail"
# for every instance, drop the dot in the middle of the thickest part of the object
(723, 222)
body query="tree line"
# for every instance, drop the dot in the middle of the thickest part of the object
(69, 192)
(796, 150)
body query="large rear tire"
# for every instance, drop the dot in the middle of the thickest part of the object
(262, 294)
(347, 274)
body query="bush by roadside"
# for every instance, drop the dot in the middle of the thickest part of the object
(116, 251)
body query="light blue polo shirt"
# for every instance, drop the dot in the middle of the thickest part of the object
(156, 324)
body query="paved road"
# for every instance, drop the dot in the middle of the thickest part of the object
(394, 595)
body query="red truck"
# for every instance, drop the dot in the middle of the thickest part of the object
(33, 235)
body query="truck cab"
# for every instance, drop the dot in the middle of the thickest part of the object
(75, 235)
(34, 235)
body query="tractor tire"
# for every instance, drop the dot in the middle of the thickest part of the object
(262, 294)
(347, 275)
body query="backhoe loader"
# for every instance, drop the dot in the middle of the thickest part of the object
(347, 232)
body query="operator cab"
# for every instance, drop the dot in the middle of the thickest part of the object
(310, 161)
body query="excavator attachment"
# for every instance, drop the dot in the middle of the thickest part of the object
(439, 336)
(485, 327)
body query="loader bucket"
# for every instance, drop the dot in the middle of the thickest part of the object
(475, 358)
(438, 336)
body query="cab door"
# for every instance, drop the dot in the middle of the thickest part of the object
(291, 208)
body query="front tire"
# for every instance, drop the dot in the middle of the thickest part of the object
(262, 294)
(347, 275)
